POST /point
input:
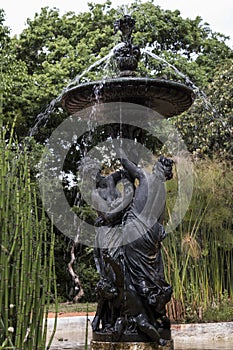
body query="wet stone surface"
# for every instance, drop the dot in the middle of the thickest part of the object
(130, 346)
(70, 334)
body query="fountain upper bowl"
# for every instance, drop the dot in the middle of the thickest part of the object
(166, 97)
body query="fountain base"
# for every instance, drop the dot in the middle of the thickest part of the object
(97, 345)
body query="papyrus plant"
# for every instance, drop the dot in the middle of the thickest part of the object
(199, 253)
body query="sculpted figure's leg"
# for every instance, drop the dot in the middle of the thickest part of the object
(148, 329)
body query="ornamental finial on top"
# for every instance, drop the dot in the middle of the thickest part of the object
(127, 55)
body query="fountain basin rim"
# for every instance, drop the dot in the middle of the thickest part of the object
(167, 97)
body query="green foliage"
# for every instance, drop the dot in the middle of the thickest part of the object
(198, 253)
(221, 312)
(207, 127)
(54, 49)
(27, 269)
(88, 275)
(4, 31)
(15, 87)
(71, 307)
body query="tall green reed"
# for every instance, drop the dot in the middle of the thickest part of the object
(198, 254)
(27, 271)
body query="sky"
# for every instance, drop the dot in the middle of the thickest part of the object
(219, 14)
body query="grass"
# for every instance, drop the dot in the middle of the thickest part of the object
(221, 313)
(70, 307)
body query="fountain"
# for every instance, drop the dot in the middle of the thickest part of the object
(166, 97)
(132, 292)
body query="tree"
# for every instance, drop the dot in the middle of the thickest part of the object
(207, 128)
(54, 49)
(4, 31)
(15, 82)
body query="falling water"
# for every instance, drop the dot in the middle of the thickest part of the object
(106, 58)
(198, 92)
(43, 117)
(188, 82)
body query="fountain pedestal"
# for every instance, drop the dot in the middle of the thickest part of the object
(97, 345)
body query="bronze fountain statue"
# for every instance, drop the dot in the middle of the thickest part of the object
(132, 291)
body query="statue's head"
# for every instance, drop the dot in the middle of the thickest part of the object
(166, 166)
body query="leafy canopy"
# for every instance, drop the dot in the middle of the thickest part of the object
(54, 49)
